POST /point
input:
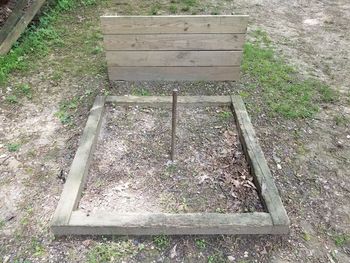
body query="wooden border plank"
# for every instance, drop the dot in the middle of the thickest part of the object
(166, 101)
(78, 171)
(174, 73)
(175, 42)
(21, 25)
(104, 223)
(180, 58)
(16, 13)
(260, 169)
(174, 24)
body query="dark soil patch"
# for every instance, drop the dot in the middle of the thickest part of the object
(131, 171)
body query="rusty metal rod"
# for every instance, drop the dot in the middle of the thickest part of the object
(173, 125)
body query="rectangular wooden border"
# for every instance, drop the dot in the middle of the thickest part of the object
(69, 221)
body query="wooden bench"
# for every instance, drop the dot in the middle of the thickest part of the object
(207, 48)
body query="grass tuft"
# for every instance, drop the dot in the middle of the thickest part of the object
(283, 91)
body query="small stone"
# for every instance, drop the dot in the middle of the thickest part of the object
(279, 167)
(87, 242)
(231, 258)
(348, 136)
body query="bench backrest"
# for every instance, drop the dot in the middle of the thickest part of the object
(192, 48)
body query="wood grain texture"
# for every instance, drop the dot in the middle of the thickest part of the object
(260, 169)
(166, 101)
(174, 73)
(175, 42)
(173, 58)
(20, 26)
(173, 24)
(102, 223)
(78, 171)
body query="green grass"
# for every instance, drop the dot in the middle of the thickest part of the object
(140, 92)
(201, 243)
(161, 241)
(341, 240)
(173, 9)
(2, 223)
(225, 115)
(37, 39)
(283, 91)
(13, 147)
(112, 251)
(66, 110)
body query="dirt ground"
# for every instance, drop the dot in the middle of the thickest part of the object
(309, 158)
(131, 169)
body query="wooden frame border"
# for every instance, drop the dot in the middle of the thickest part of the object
(69, 221)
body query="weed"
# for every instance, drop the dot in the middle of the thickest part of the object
(216, 258)
(65, 113)
(155, 9)
(140, 92)
(12, 99)
(37, 248)
(341, 120)
(225, 115)
(2, 223)
(97, 50)
(306, 236)
(111, 252)
(341, 240)
(161, 241)
(173, 9)
(13, 147)
(200, 243)
(24, 90)
(283, 91)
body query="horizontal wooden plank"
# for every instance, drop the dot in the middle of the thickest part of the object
(174, 73)
(175, 42)
(78, 171)
(173, 24)
(173, 58)
(260, 169)
(166, 101)
(102, 223)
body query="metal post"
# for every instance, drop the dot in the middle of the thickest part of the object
(173, 125)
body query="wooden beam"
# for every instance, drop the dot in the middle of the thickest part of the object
(173, 58)
(260, 169)
(166, 101)
(174, 24)
(175, 42)
(21, 25)
(174, 73)
(78, 171)
(102, 223)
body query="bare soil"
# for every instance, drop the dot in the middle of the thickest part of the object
(132, 172)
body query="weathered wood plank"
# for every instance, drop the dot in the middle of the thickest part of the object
(173, 58)
(78, 171)
(260, 169)
(173, 24)
(11, 21)
(21, 25)
(175, 42)
(166, 101)
(174, 73)
(102, 223)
